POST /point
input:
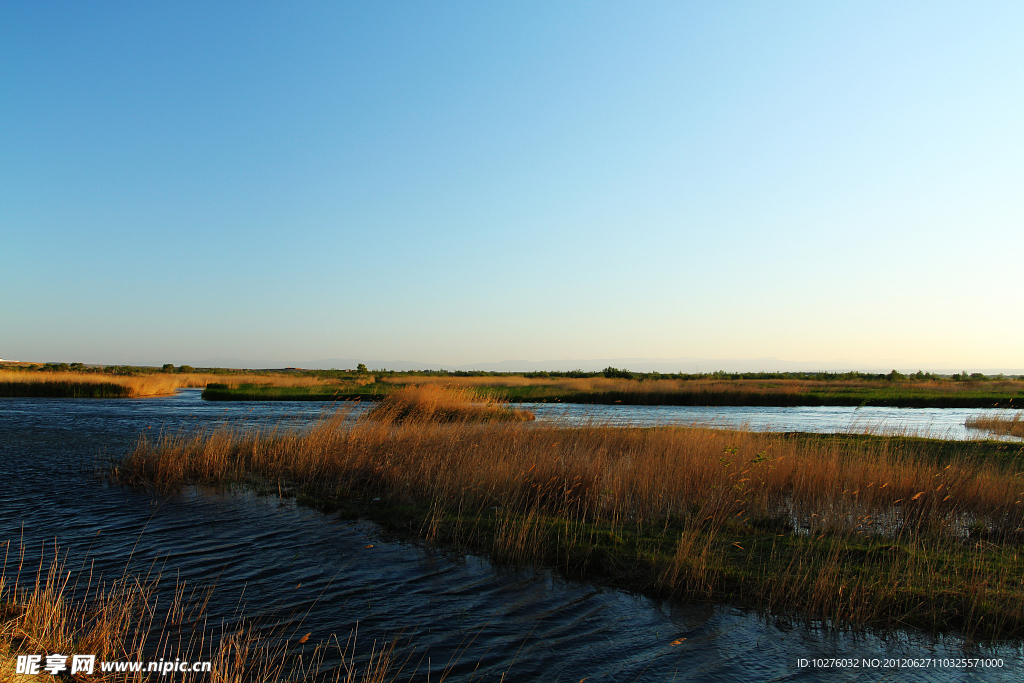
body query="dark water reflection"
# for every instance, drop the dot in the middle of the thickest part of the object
(268, 556)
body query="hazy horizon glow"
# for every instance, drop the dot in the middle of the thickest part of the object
(469, 183)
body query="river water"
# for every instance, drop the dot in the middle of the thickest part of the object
(326, 576)
(939, 423)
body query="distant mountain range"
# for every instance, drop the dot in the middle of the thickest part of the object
(690, 365)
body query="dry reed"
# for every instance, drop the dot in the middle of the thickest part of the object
(709, 391)
(434, 403)
(1012, 426)
(47, 611)
(133, 386)
(871, 533)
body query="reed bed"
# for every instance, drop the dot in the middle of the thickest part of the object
(1011, 426)
(52, 609)
(711, 391)
(435, 403)
(872, 532)
(99, 385)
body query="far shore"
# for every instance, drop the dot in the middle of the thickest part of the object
(612, 386)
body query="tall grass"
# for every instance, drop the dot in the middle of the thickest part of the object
(710, 391)
(435, 403)
(1013, 426)
(53, 609)
(97, 385)
(869, 532)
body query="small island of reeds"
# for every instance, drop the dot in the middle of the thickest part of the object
(435, 403)
(1011, 426)
(862, 531)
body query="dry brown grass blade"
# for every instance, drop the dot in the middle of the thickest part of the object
(440, 403)
(998, 424)
(45, 613)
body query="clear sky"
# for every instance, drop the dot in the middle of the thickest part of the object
(468, 182)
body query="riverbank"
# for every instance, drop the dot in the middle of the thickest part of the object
(698, 390)
(667, 392)
(858, 531)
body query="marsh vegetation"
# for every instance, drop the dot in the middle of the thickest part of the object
(77, 384)
(727, 391)
(436, 403)
(855, 531)
(55, 608)
(611, 386)
(1012, 426)
(703, 391)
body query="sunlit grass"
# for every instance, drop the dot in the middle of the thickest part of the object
(278, 386)
(861, 531)
(1013, 426)
(52, 609)
(437, 403)
(100, 385)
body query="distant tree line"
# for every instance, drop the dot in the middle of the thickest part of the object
(609, 372)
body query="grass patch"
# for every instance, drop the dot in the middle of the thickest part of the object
(66, 389)
(50, 609)
(1012, 426)
(238, 386)
(435, 403)
(88, 385)
(857, 531)
(715, 389)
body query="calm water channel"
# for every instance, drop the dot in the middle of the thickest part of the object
(268, 556)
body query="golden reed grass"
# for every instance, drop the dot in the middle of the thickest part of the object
(436, 403)
(1012, 426)
(654, 390)
(713, 391)
(156, 384)
(644, 475)
(871, 532)
(51, 610)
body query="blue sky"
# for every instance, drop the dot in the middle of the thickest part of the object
(469, 183)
